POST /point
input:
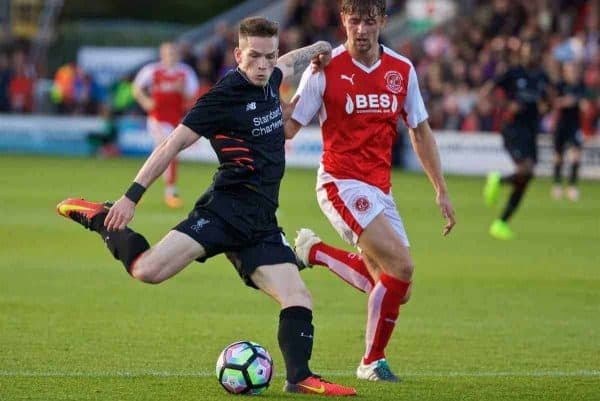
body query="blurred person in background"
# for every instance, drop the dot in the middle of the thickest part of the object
(525, 86)
(165, 89)
(74, 91)
(22, 81)
(4, 82)
(567, 134)
(360, 96)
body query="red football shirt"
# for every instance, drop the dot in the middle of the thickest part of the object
(359, 108)
(169, 88)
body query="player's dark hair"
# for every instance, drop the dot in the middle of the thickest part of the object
(371, 8)
(258, 26)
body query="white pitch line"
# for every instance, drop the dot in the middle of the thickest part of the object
(137, 374)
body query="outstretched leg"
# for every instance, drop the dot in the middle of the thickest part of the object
(148, 264)
(348, 266)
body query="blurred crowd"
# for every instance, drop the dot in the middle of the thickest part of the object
(452, 61)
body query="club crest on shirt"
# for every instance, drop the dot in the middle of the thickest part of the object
(394, 81)
(361, 204)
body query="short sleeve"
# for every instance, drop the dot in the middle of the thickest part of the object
(143, 78)
(414, 107)
(310, 90)
(191, 81)
(208, 116)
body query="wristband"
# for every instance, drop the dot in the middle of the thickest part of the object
(135, 192)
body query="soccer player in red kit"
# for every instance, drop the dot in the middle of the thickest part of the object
(359, 97)
(164, 89)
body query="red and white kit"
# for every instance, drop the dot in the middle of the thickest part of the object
(353, 184)
(170, 88)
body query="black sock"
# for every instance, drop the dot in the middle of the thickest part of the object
(125, 245)
(557, 173)
(520, 185)
(574, 173)
(295, 338)
(509, 179)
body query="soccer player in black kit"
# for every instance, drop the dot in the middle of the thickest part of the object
(525, 86)
(570, 94)
(243, 118)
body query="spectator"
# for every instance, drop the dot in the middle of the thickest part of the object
(22, 80)
(4, 83)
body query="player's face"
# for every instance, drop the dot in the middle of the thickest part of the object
(257, 57)
(169, 54)
(570, 73)
(362, 31)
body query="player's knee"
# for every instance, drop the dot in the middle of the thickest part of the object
(404, 271)
(406, 297)
(146, 272)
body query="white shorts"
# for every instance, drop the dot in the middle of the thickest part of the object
(159, 130)
(350, 205)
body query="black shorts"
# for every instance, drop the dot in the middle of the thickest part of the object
(567, 135)
(248, 234)
(520, 142)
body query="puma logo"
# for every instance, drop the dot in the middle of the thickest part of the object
(347, 78)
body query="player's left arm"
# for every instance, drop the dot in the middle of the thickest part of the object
(296, 61)
(425, 147)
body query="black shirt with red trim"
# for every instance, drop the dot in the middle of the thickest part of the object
(244, 124)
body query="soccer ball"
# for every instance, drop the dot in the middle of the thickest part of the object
(244, 367)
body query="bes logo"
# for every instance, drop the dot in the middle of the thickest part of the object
(362, 204)
(394, 81)
(371, 103)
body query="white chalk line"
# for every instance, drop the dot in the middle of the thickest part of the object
(201, 374)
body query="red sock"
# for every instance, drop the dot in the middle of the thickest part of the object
(349, 266)
(383, 310)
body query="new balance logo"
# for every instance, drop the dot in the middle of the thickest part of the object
(347, 78)
(306, 335)
(251, 106)
(200, 224)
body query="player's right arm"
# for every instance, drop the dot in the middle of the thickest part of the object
(307, 100)
(141, 82)
(121, 213)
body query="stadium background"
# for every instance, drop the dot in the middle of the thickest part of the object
(489, 320)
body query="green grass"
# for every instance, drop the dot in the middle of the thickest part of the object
(488, 320)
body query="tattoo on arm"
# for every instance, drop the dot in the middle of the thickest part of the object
(297, 60)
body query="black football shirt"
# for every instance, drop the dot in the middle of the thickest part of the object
(526, 87)
(244, 124)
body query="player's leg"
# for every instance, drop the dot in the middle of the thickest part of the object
(165, 259)
(160, 131)
(389, 258)
(572, 190)
(559, 149)
(296, 332)
(494, 181)
(148, 264)
(349, 205)
(349, 266)
(520, 143)
(522, 177)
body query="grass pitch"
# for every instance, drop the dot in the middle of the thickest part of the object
(488, 320)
